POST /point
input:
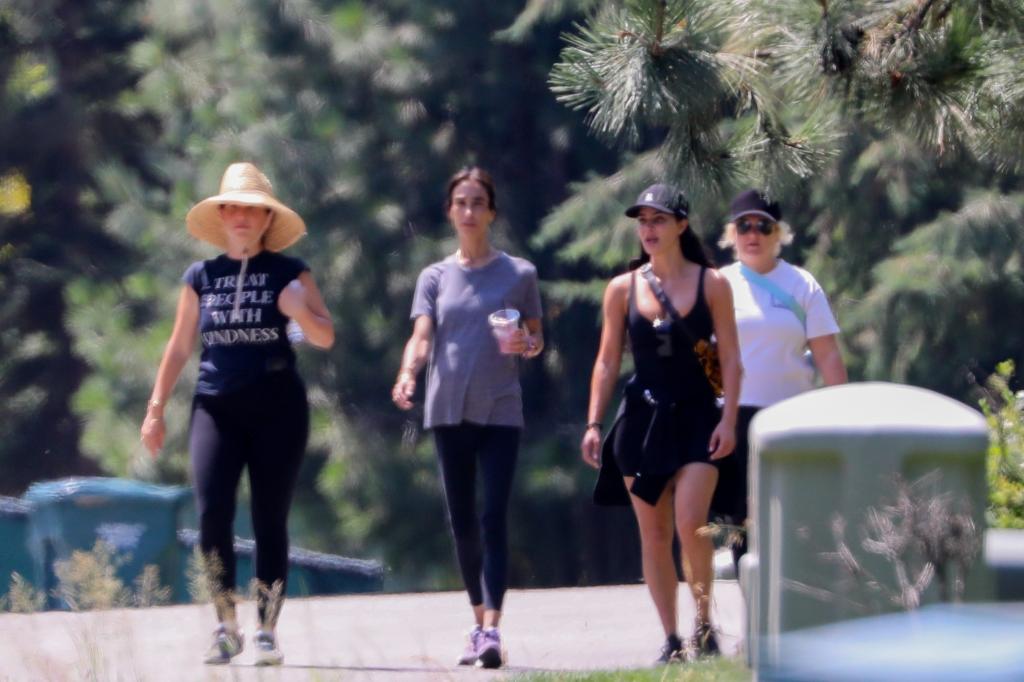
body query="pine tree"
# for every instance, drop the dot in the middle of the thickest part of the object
(908, 118)
(62, 72)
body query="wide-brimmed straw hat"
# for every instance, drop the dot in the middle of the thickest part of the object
(245, 185)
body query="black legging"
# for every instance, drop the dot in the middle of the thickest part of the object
(263, 426)
(730, 497)
(484, 566)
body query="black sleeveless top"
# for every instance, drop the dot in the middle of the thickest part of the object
(668, 410)
(662, 352)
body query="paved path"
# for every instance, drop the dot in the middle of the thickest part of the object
(401, 637)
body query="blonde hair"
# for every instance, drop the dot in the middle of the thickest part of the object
(728, 239)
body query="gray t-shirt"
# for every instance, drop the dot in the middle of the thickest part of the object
(468, 379)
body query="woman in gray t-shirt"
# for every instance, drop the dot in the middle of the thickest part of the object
(473, 399)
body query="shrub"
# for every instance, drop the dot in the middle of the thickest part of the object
(1004, 411)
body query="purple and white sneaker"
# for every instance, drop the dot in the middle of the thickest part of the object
(488, 654)
(473, 638)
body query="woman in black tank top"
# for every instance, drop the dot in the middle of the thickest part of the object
(670, 433)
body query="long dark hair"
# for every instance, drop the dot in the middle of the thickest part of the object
(689, 243)
(476, 174)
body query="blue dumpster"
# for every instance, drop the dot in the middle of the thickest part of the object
(137, 520)
(14, 556)
(309, 573)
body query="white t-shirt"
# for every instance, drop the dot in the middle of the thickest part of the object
(772, 339)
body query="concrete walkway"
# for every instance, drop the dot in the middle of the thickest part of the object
(402, 637)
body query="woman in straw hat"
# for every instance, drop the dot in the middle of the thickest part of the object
(250, 407)
(473, 399)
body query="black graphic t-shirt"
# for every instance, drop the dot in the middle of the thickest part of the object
(242, 330)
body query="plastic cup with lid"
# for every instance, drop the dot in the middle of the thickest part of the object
(504, 323)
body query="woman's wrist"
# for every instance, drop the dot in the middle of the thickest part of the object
(594, 425)
(534, 345)
(405, 374)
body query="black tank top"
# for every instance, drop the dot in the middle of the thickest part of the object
(663, 356)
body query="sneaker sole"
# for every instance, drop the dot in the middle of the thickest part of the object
(223, 660)
(489, 659)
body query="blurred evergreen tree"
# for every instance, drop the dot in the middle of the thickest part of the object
(63, 71)
(359, 112)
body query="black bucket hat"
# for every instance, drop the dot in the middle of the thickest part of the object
(664, 198)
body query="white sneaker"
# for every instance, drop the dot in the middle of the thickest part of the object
(226, 645)
(267, 652)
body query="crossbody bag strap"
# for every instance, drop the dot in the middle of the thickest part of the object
(776, 291)
(666, 303)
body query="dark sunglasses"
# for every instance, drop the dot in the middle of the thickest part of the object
(765, 227)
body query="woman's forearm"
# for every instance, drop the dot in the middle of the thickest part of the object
(602, 382)
(417, 349)
(828, 359)
(166, 376)
(318, 330)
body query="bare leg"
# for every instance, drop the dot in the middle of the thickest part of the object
(491, 618)
(695, 484)
(656, 551)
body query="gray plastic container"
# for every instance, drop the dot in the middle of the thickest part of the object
(835, 453)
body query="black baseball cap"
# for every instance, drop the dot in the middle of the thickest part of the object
(664, 198)
(752, 202)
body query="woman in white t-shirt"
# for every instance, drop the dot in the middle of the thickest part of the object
(781, 312)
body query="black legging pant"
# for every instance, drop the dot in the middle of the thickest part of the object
(263, 427)
(730, 497)
(483, 564)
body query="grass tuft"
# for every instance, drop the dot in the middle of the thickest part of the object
(22, 596)
(720, 669)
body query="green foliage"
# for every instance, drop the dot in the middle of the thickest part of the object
(679, 71)
(62, 73)
(967, 261)
(1004, 411)
(538, 11)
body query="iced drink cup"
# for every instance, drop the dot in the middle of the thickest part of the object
(504, 323)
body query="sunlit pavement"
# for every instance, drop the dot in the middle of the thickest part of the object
(364, 637)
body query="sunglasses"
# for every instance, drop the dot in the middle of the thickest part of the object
(765, 227)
